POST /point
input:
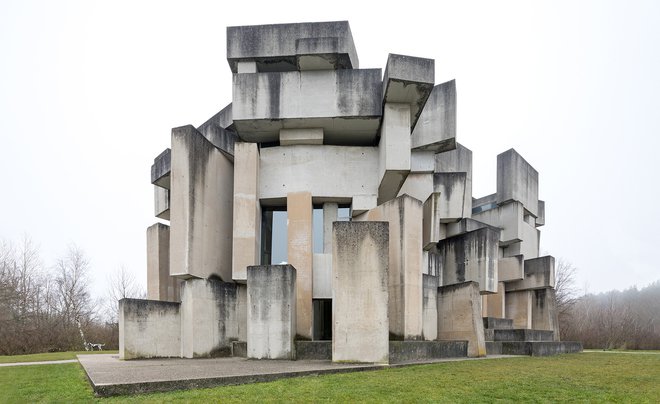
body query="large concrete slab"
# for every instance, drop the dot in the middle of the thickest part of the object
(149, 329)
(459, 316)
(539, 274)
(544, 311)
(518, 181)
(436, 127)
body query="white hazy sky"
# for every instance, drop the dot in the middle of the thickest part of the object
(90, 90)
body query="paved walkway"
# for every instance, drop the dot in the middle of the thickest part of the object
(38, 363)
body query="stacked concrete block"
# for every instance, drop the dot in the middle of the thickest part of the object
(459, 316)
(160, 285)
(149, 329)
(436, 127)
(430, 307)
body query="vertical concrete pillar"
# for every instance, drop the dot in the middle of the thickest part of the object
(359, 308)
(394, 150)
(430, 309)
(300, 255)
(271, 314)
(495, 304)
(459, 316)
(246, 247)
(160, 285)
(330, 214)
(519, 308)
(544, 311)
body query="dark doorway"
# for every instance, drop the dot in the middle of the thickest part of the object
(322, 319)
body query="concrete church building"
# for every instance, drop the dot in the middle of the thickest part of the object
(327, 213)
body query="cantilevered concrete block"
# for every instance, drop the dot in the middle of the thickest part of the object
(201, 202)
(417, 185)
(459, 316)
(487, 202)
(508, 217)
(246, 247)
(511, 268)
(436, 127)
(466, 225)
(346, 104)
(211, 317)
(540, 219)
(161, 169)
(161, 203)
(290, 137)
(455, 199)
(493, 305)
(422, 161)
(300, 255)
(286, 47)
(394, 150)
(529, 246)
(149, 329)
(544, 311)
(518, 181)
(471, 256)
(360, 276)
(271, 312)
(404, 215)
(408, 80)
(223, 119)
(539, 274)
(430, 307)
(518, 307)
(160, 285)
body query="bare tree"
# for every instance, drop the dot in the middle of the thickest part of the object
(566, 294)
(121, 284)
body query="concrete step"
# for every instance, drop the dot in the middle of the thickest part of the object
(239, 349)
(498, 323)
(533, 348)
(523, 335)
(321, 350)
(400, 351)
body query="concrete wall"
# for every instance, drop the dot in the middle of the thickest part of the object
(519, 308)
(271, 314)
(404, 215)
(201, 200)
(518, 181)
(493, 305)
(430, 307)
(458, 160)
(539, 274)
(456, 198)
(301, 256)
(394, 150)
(160, 285)
(459, 316)
(211, 317)
(246, 247)
(544, 311)
(149, 329)
(360, 275)
(508, 217)
(511, 268)
(436, 127)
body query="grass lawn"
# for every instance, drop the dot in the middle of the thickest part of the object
(48, 356)
(594, 377)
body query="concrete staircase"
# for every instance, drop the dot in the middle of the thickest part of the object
(503, 339)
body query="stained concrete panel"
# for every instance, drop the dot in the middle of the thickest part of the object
(160, 285)
(511, 268)
(393, 150)
(456, 199)
(459, 316)
(466, 225)
(529, 246)
(472, 256)
(436, 127)
(544, 311)
(539, 274)
(508, 217)
(430, 307)
(219, 130)
(201, 204)
(161, 169)
(518, 181)
(271, 315)
(246, 240)
(149, 329)
(359, 307)
(422, 161)
(210, 317)
(518, 307)
(404, 215)
(300, 255)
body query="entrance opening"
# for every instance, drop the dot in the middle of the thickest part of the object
(322, 319)
(274, 228)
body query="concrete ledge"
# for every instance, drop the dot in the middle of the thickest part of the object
(314, 350)
(523, 335)
(532, 348)
(161, 169)
(410, 351)
(499, 323)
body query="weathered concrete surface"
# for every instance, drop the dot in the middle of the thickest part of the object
(436, 127)
(466, 225)
(544, 311)
(508, 217)
(418, 185)
(519, 308)
(411, 351)
(494, 304)
(311, 136)
(219, 130)
(161, 203)
(160, 285)
(540, 219)
(518, 181)
(539, 274)
(529, 247)
(210, 317)
(330, 215)
(522, 335)
(404, 215)
(346, 104)
(246, 240)
(533, 348)
(432, 229)
(285, 47)
(511, 268)
(471, 256)
(161, 169)
(363, 203)
(360, 265)
(316, 350)
(430, 307)
(271, 312)
(149, 329)
(498, 323)
(301, 256)
(459, 316)
(200, 207)
(393, 150)
(458, 160)
(456, 198)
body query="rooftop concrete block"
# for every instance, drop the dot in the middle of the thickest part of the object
(436, 127)
(518, 181)
(539, 274)
(484, 203)
(457, 160)
(286, 47)
(408, 80)
(346, 104)
(394, 150)
(223, 119)
(161, 169)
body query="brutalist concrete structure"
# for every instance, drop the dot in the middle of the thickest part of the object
(330, 208)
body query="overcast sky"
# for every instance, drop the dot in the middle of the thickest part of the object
(89, 92)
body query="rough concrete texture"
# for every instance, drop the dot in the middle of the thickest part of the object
(436, 127)
(363, 203)
(511, 268)
(519, 308)
(498, 323)
(394, 150)
(316, 350)
(280, 47)
(404, 215)
(466, 225)
(301, 256)
(149, 329)
(533, 348)
(529, 246)
(161, 169)
(210, 317)
(271, 312)
(544, 311)
(305, 168)
(360, 263)
(408, 80)
(459, 316)
(246, 240)
(522, 335)
(456, 199)
(430, 307)
(264, 103)
(160, 285)
(493, 305)
(518, 181)
(200, 207)
(416, 351)
(539, 274)
(472, 256)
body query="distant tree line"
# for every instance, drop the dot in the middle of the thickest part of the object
(47, 309)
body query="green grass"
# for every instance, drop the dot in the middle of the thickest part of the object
(592, 377)
(48, 356)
